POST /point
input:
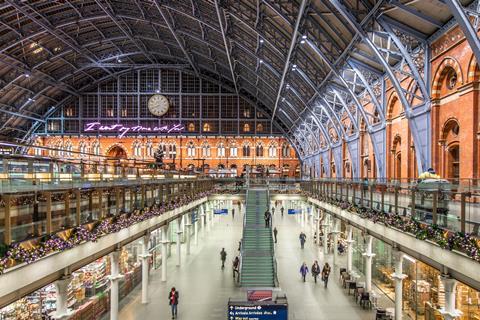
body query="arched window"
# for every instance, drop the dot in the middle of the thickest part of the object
(221, 150)
(205, 150)
(149, 149)
(191, 149)
(454, 162)
(259, 150)
(286, 151)
(233, 151)
(164, 148)
(82, 148)
(137, 149)
(96, 148)
(246, 127)
(206, 127)
(68, 149)
(191, 127)
(246, 151)
(272, 151)
(172, 151)
(259, 127)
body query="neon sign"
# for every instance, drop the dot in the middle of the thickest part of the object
(122, 130)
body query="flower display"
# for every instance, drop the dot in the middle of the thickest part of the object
(17, 253)
(446, 239)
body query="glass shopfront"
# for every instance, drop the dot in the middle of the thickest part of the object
(423, 291)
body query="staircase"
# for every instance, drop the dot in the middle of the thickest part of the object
(257, 247)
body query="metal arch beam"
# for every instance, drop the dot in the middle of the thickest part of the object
(221, 16)
(462, 17)
(309, 81)
(128, 33)
(181, 45)
(70, 42)
(404, 7)
(419, 119)
(299, 118)
(293, 44)
(21, 115)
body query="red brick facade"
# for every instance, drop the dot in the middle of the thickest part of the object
(185, 152)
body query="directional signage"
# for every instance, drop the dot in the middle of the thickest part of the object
(265, 311)
(220, 211)
(294, 211)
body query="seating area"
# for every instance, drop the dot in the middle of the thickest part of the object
(350, 281)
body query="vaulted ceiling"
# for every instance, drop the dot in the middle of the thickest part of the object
(306, 63)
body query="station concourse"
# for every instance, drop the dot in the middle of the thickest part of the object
(239, 159)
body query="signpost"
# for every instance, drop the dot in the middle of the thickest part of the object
(220, 211)
(257, 310)
(294, 211)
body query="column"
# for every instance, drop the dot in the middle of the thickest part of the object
(188, 228)
(164, 252)
(179, 242)
(207, 216)
(317, 227)
(350, 242)
(195, 224)
(61, 288)
(115, 276)
(145, 256)
(449, 312)
(398, 276)
(325, 225)
(203, 218)
(368, 264)
(335, 233)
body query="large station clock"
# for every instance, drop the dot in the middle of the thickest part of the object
(158, 104)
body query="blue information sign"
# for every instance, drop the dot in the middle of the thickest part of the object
(294, 211)
(258, 312)
(220, 211)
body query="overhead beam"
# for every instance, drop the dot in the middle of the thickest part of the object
(226, 42)
(293, 44)
(181, 44)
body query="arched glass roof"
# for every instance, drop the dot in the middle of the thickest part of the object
(312, 66)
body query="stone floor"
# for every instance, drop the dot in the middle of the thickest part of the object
(205, 289)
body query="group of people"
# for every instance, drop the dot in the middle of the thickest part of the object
(325, 272)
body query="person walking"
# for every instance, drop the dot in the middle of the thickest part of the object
(173, 301)
(223, 257)
(267, 217)
(304, 271)
(275, 232)
(325, 273)
(315, 270)
(233, 213)
(236, 266)
(273, 211)
(303, 238)
(282, 209)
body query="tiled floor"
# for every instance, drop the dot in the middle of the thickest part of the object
(205, 289)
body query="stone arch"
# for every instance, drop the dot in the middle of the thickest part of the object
(441, 72)
(450, 125)
(391, 110)
(473, 70)
(116, 150)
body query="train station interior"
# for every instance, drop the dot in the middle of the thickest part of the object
(239, 159)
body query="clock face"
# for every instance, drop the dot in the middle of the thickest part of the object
(158, 105)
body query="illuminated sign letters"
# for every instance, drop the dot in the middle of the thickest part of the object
(122, 130)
